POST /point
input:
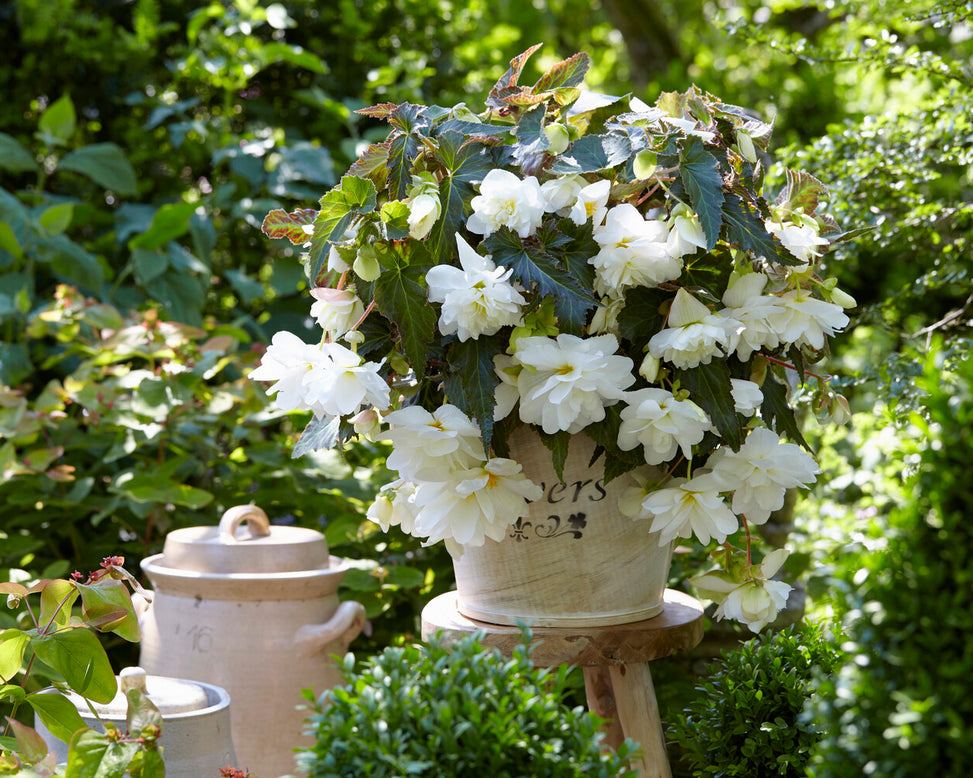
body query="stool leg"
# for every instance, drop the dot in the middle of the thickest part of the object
(601, 702)
(638, 713)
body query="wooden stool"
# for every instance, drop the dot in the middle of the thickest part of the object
(615, 659)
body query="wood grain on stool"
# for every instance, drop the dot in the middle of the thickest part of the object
(618, 683)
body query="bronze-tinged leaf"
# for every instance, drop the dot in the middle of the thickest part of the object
(380, 111)
(280, 224)
(372, 164)
(802, 191)
(509, 79)
(566, 73)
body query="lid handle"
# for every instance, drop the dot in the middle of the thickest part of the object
(256, 519)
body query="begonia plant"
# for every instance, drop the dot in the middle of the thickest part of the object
(579, 263)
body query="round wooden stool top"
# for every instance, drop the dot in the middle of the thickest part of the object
(678, 628)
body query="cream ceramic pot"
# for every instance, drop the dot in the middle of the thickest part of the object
(195, 722)
(252, 608)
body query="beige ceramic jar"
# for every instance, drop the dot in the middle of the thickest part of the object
(253, 609)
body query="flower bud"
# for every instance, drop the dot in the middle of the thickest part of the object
(645, 164)
(557, 136)
(424, 212)
(649, 369)
(13, 601)
(745, 145)
(843, 299)
(368, 424)
(366, 265)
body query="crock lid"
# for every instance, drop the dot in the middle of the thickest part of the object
(170, 695)
(259, 547)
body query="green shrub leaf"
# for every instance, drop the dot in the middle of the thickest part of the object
(57, 713)
(106, 165)
(79, 657)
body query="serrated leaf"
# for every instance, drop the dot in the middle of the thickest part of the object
(530, 134)
(57, 713)
(586, 155)
(605, 434)
(318, 434)
(473, 129)
(569, 72)
(802, 191)
(471, 380)
(59, 119)
(407, 118)
(641, 318)
(703, 183)
(400, 294)
(79, 657)
(281, 224)
(532, 266)
(523, 97)
(372, 164)
(380, 111)
(106, 165)
(509, 79)
(351, 197)
(395, 216)
(402, 152)
(14, 157)
(466, 163)
(745, 228)
(777, 413)
(557, 444)
(709, 387)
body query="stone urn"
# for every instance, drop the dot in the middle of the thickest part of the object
(252, 608)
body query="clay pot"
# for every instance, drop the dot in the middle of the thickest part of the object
(255, 610)
(195, 722)
(576, 560)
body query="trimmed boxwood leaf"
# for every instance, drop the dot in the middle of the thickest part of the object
(709, 387)
(703, 183)
(351, 197)
(79, 657)
(471, 380)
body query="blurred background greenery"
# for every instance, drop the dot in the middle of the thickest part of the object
(142, 142)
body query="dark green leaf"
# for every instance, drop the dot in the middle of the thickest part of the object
(530, 133)
(404, 576)
(407, 118)
(72, 261)
(14, 157)
(586, 155)
(395, 216)
(105, 164)
(473, 129)
(745, 228)
(532, 266)
(557, 444)
(152, 489)
(566, 73)
(641, 317)
(318, 434)
(401, 153)
(471, 380)
(466, 163)
(57, 713)
(78, 656)
(709, 387)
(778, 413)
(605, 434)
(466, 160)
(703, 183)
(400, 294)
(148, 265)
(338, 207)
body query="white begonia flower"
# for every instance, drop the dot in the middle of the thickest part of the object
(426, 446)
(747, 397)
(592, 203)
(566, 383)
(661, 424)
(761, 472)
(367, 424)
(505, 396)
(633, 252)
(694, 335)
(605, 318)
(394, 506)
(424, 212)
(561, 193)
(477, 299)
(685, 232)
(649, 369)
(686, 508)
(801, 237)
(507, 201)
(748, 306)
(755, 602)
(336, 262)
(336, 310)
(474, 504)
(329, 380)
(805, 320)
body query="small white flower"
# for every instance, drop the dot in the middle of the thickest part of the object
(474, 504)
(754, 602)
(747, 397)
(685, 232)
(426, 446)
(801, 237)
(687, 508)
(507, 201)
(424, 212)
(592, 203)
(805, 320)
(394, 506)
(288, 361)
(753, 311)
(561, 193)
(633, 252)
(336, 310)
(605, 318)
(336, 262)
(566, 383)
(505, 396)
(694, 335)
(661, 424)
(477, 299)
(760, 473)
(649, 369)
